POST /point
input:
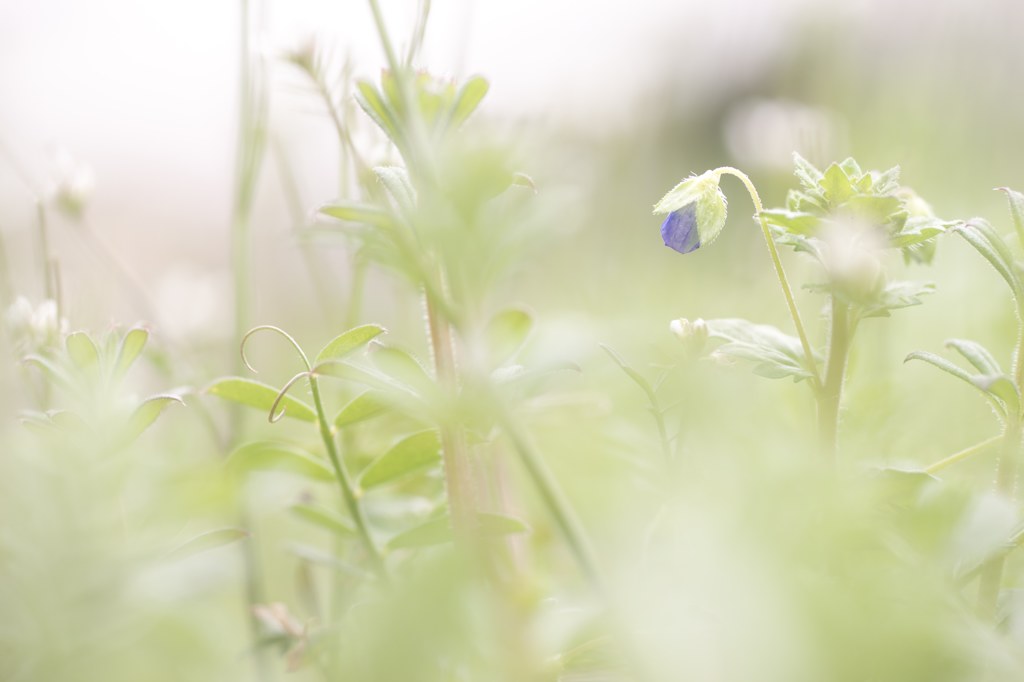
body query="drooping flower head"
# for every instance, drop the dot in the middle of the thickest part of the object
(696, 212)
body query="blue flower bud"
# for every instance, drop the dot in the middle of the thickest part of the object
(679, 231)
(696, 211)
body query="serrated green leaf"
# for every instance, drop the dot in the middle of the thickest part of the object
(324, 518)
(260, 396)
(411, 454)
(364, 406)
(82, 351)
(506, 333)
(806, 173)
(976, 354)
(836, 185)
(145, 414)
(775, 354)
(349, 341)
(132, 344)
(896, 295)
(796, 222)
(468, 99)
(208, 541)
(271, 456)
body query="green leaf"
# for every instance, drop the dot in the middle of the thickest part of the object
(506, 333)
(401, 365)
(776, 355)
(897, 295)
(82, 351)
(371, 102)
(260, 396)
(985, 241)
(415, 452)
(208, 541)
(396, 180)
(55, 372)
(809, 176)
(271, 456)
(364, 406)
(359, 213)
(795, 222)
(324, 518)
(145, 414)
(836, 185)
(131, 347)
(1002, 387)
(345, 343)
(976, 354)
(470, 95)
(1016, 200)
(977, 381)
(637, 378)
(434, 532)
(438, 531)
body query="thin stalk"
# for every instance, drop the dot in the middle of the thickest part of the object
(45, 255)
(348, 490)
(6, 283)
(966, 453)
(794, 312)
(555, 501)
(831, 391)
(1006, 479)
(463, 495)
(1006, 476)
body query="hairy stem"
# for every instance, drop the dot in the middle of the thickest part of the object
(794, 312)
(831, 390)
(463, 494)
(1006, 475)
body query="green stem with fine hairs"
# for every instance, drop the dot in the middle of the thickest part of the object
(773, 251)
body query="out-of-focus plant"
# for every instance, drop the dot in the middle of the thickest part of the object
(450, 220)
(845, 219)
(1002, 388)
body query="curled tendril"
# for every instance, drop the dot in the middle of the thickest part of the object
(286, 335)
(276, 416)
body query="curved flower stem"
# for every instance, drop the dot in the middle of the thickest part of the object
(777, 262)
(348, 490)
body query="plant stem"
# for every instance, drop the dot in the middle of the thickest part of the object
(463, 495)
(44, 253)
(555, 501)
(963, 454)
(831, 391)
(779, 271)
(348, 490)
(1006, 476)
